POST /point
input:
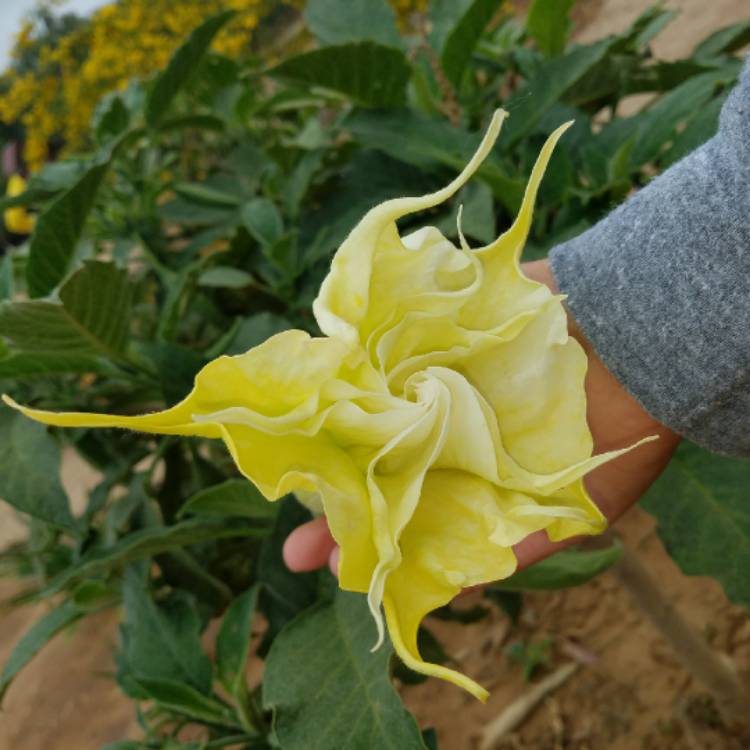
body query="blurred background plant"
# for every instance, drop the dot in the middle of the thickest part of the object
(188, 195)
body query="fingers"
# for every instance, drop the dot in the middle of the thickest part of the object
(309, 546)
(333, 561)
(537, 546)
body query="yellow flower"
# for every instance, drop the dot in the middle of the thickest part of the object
(440, 420)
(17, 219)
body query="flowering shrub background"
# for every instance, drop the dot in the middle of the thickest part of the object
(198, 219)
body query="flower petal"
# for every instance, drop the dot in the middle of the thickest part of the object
(344, 298)
(446, 546)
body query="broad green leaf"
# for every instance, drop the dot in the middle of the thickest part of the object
(477, 216)
(35, 639)
(459, 44)
(99, 297)
(702, 126)
(648, 25)
(702, 507)
(29, 197)
(370, 178)
(368, 73)
(58, 175)
(150, 542)
(548, 86)
(425, 142)
(182, 66)
(206, 195)
(549, 24)
(30, 471)
(328, 690)
(197, 121)
(161, 641)
(562, 570)
(262, 220)
(225, 277)
(58, 230)
(723, 41)
(233, 641)
(233, 498)
(111, 118)
(660, 122)
(190, 213)
(7, 283)
(92, 317)
(39, 364)
(343, 21)
(255, 330)
(186, 700)
(300, 180)
(285, 594)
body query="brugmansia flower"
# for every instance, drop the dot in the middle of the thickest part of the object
(440, 420)
(17, 218)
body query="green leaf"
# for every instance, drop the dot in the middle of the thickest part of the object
(702, 126)
(426, 142)
(29, 197)
(262, 220)
(658, 124)
(328, 690)
(548, 86)
(225, 277)
(478, 215)
(255, 329)
(549, 24)
(370, 178)
(285, 594)
(570, 567)
(35, 639)
(150, 542)
(161, 641)
(92, 317)
(723, 41)
(368, 73)
(343, 21)
(206, 195)
(510, 602)
(460, 42)
(182, 66)
(58, 230)
(183, 699)
(233, 498)
(701, 506)
(30, 471)
(39, 364)
(111, 118)
(7, 283)
(233, 641)
(647, 26)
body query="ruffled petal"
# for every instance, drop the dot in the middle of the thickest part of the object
(445, 547)
(345, 295)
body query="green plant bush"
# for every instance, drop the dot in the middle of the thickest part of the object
(201, 223)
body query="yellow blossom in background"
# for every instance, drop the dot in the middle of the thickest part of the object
(441, 418)
(122, 40)
(17, 219)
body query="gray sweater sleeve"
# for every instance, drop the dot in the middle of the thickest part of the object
(661, 288)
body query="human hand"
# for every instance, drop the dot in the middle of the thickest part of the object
(616, 420)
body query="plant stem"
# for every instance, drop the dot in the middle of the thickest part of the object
(705, 664)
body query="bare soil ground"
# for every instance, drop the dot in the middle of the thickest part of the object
(628, 693)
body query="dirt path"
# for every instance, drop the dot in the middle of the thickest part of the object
(633, 694)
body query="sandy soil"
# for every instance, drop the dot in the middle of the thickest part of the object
(630, 693)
